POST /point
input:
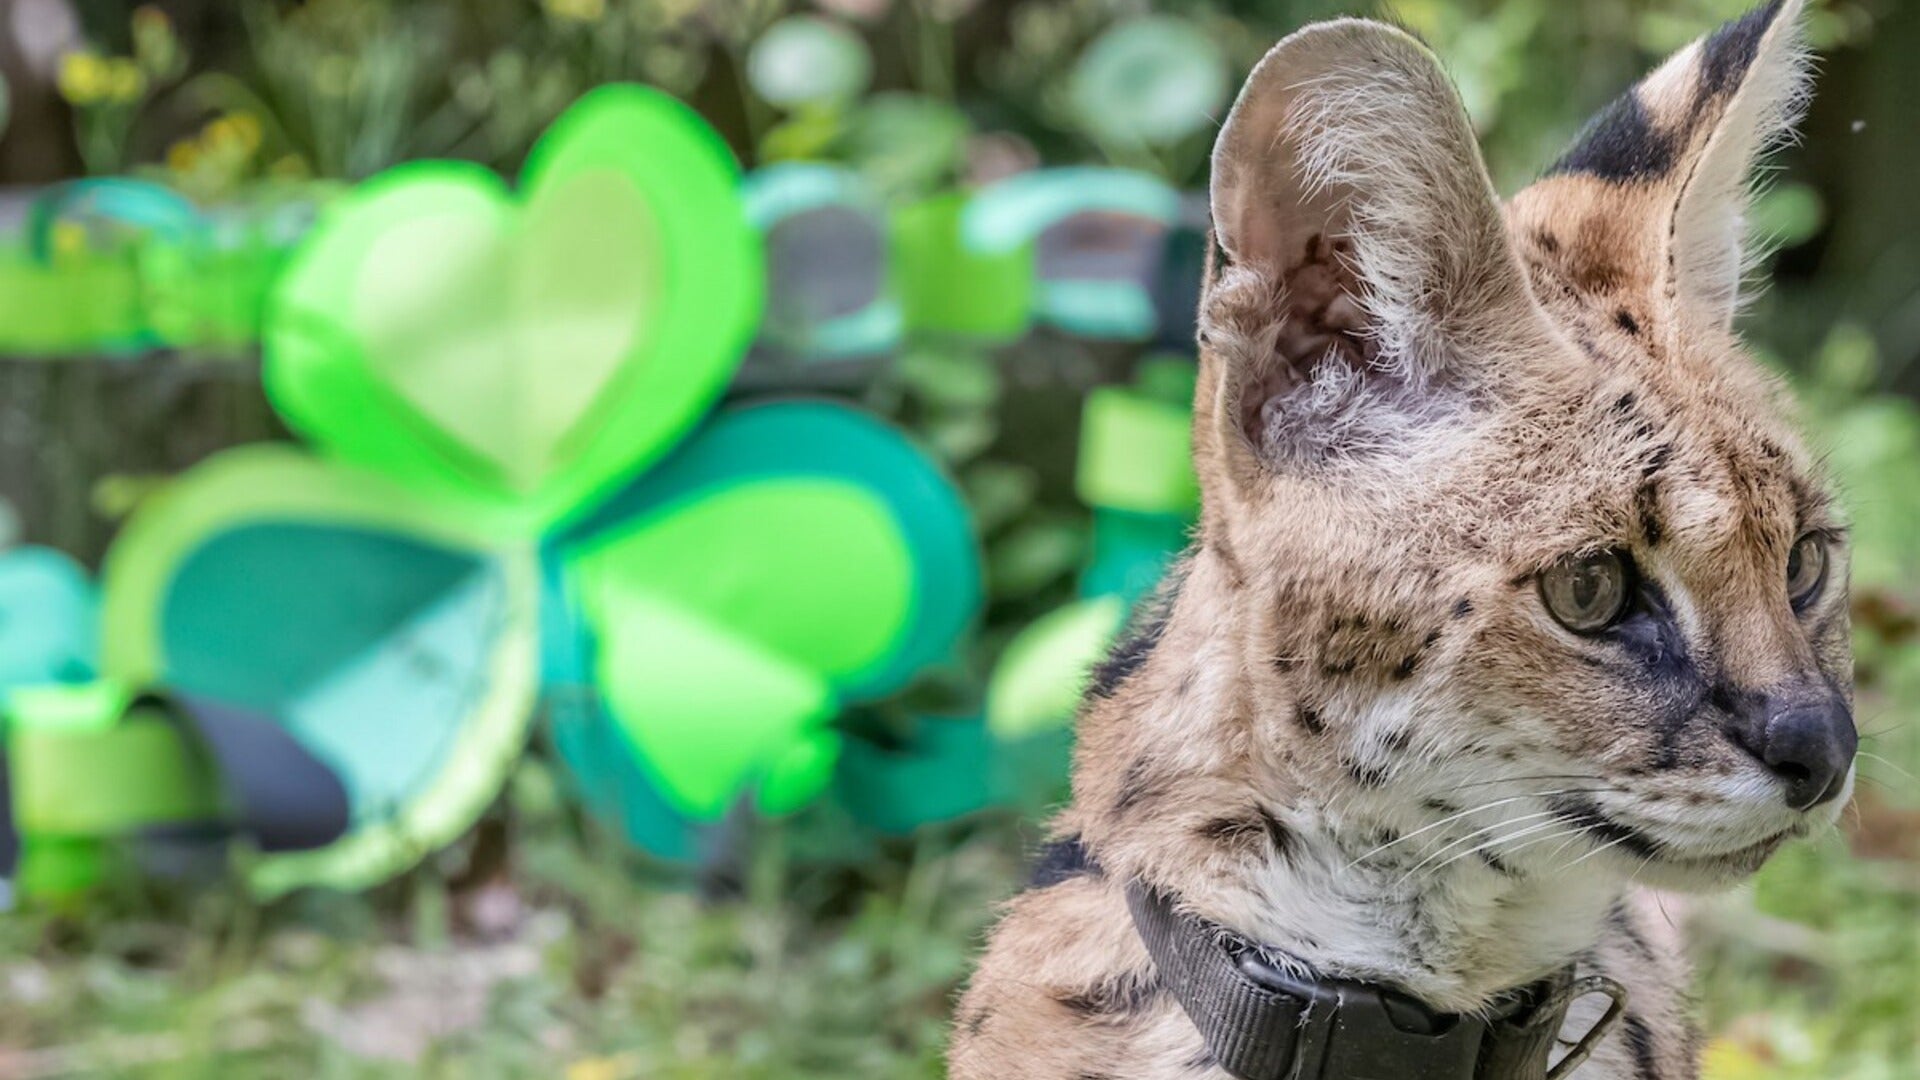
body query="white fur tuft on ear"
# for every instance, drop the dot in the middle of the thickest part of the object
(1712, 251)
(1370, 280)
(1351, 130)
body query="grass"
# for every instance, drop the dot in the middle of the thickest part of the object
(561, 962)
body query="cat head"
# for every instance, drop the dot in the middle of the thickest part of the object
(1509, 505)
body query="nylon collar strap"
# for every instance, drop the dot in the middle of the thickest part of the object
(1262, 1023)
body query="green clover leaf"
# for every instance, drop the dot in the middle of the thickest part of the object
(531, 351)
(372, 623)
(791, 559)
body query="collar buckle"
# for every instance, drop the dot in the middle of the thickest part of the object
(1555, 1007)
(1263, 1021)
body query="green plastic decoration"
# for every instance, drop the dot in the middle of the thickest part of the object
(947, 767)
(529, 351)
(79, 302)
(48, 619)
(91, 769)
(827, 292)
(209, 287)
(949, 288)
(1135, 469)
(1151, 79)
(793, 558)
(379, 626)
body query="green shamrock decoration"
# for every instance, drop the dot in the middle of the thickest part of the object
(516, 507)
(791, 559)
(534, 350)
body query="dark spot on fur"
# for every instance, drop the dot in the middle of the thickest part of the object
(1128, 656)
(1404, 669)
(1646, 502)
(1548, 242)
(1277, 833)
(1112, 999)
(1368, 774)
(1248, 830)
(1730, 51)
(1203, 1061)
(1498, 865)
(1397, 741)
(1138, 785)
(1311, 720)
(1441, 806)
(1646, 1064)
(1620, 145)
(973, 1023)
(1584, 815)
(1624, 320)
(1462, 608)
(1623, 925)
(1657, 461)
(1063, 860)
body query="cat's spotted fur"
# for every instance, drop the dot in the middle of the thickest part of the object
(1348, 728)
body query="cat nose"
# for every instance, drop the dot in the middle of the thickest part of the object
(1808, 745)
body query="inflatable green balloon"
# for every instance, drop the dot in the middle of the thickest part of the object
(527, 350)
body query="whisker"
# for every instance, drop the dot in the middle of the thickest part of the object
(1609, 845)
(1473, 810)
(1550, 836)
(1512, 835)
(1876, 757)
(1534, 776)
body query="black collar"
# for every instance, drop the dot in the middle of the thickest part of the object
(1262, 1023)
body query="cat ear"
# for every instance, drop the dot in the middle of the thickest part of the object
(1662, 178)
(1364, 276)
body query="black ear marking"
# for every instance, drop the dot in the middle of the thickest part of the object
(1620, 145)
(1729, 51)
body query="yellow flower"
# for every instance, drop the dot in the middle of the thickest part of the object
(577, 10)
(83, 77)
(245, 129)
(125, 81)
(1726, 1059)
(183, 155)
(601, 1068)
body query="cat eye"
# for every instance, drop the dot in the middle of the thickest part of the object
(1586, 593)
(1806, 568)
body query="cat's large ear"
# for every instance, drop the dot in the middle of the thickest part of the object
(1364, 280)
(1649, 208)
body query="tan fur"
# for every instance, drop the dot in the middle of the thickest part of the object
(1352, 727)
